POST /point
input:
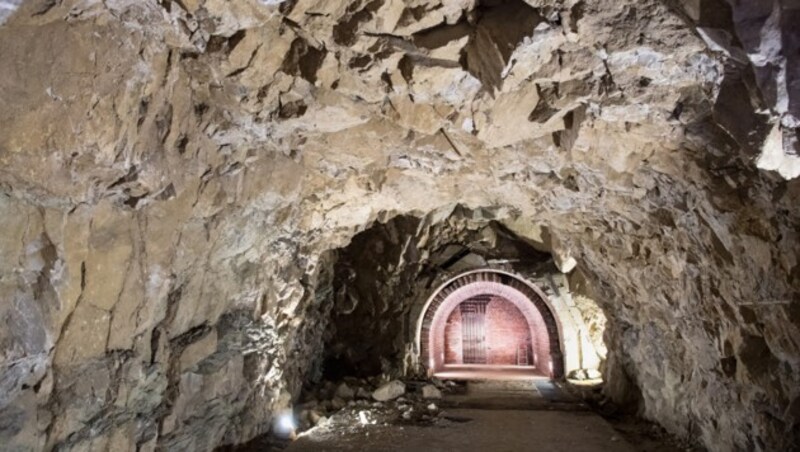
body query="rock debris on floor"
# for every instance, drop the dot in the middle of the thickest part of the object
(515, 415)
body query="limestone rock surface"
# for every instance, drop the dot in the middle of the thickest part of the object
(181, 184)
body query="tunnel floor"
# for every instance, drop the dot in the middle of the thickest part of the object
(536, 393)
(517, 415)
(477, 429)
(525, 414)
(488, 372)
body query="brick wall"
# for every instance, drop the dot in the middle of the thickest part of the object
(529, 300)
(506, 330)
(452, 338)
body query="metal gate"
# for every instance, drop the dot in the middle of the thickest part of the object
(473, 333)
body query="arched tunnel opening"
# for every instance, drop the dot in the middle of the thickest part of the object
(488, 324)
(457, 295)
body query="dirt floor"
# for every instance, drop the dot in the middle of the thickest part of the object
(480, 430)
(522, 415)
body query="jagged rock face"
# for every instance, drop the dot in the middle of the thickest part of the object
(176, 175)
(761, 42)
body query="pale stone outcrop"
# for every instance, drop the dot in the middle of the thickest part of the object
(431, 392)
(389, 391)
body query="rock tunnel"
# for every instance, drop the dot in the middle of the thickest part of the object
(412, 273)
(215, 213)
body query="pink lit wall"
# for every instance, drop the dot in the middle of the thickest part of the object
(440, 326)
(506, 330)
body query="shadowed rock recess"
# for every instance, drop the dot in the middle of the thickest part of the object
(206, 204)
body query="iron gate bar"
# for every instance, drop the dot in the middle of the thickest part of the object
(473, 330)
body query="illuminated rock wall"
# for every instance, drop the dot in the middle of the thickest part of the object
(181, 183)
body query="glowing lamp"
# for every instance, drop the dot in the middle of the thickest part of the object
(285, 424)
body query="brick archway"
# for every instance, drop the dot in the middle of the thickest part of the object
(531, 302)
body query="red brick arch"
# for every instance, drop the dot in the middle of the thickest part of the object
(527, 298)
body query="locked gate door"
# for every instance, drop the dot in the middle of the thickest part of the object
(473, 333)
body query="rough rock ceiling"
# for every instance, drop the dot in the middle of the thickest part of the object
(173, 173)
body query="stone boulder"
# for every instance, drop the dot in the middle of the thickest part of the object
(389, 391)
(431, 392)
(345, 392)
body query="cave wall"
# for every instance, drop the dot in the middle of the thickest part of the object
(175, 178)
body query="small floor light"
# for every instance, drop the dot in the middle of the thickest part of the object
(285, 425)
